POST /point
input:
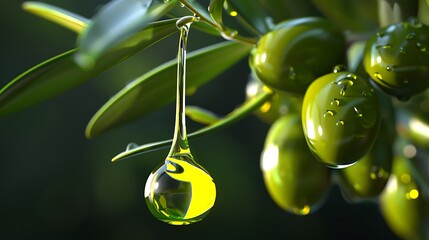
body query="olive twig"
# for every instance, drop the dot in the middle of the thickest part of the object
(234, 116)
(227, 35)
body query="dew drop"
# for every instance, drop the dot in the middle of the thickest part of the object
(292, 73)
(335, 102)
(402, 50)
(329, 113)
(390, 68)
(411, 36)
(131, 146)
(345, 83)
(339, 68)
(415, 22)
(363, 93)
(378, 76)
(384, 46)
(421, 47)
(358, 112)
(340, 123)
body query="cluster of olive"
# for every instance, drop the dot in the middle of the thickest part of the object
(331, 123)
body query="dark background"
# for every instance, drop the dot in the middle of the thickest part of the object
(56, 184)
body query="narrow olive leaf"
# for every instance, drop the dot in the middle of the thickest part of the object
(116, 21)
(57, 15)
(216, 10)
(239, 113)
(201, 115)
(157, 87)
(60, 73)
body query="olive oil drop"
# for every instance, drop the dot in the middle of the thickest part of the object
(180, 191)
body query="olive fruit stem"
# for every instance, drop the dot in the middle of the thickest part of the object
(395, 11)
(244, 110)
(423, 12)
(225, 34)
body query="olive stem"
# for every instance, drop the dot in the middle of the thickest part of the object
(244, 110)
(423, 12)
(226, 35)
(395, 11)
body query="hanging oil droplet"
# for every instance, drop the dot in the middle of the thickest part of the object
(329, 113)
(180, 191)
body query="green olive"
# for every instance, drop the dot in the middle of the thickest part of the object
(341, 117)
(278, 105)
(367, 178)
(404, 205)
(412, 120)
(295, 180)
(397, 58)
(296, 52)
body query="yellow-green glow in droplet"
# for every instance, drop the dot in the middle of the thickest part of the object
(233, 14)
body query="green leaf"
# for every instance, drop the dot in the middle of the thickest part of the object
(244, 110)
(215, 10)
(116, 21)
(200, 115)
(57, 15)
(60, 73)
(157, 87)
